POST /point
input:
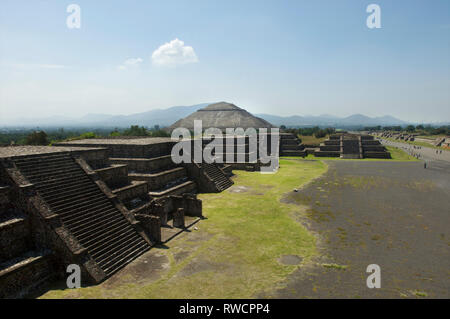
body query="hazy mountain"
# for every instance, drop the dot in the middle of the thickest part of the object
(324, 120)
(166, 117)
(162, 117)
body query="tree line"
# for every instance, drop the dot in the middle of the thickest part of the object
(50, 136)
(309, 131)
(419, 129)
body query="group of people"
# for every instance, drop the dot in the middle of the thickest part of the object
(413, 150)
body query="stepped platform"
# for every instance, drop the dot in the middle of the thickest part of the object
(352, 146)
(142, 165)
(294, 153)
(290, 145)
(134, 190)
(90, 219)
(14, 235)
(92, 210)
(23, 274)
(146, 147)
(177, 188)
(114, 176)
(159, 180)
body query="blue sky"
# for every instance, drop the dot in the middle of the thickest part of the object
(277, 57)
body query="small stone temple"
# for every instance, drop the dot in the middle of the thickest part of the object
(352, 146)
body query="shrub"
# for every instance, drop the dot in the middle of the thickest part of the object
(37, 138)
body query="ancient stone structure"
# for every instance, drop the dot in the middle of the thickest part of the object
(222, 116)
(77, 205)
(290, 145)
(407, 137)
(101, 203)
(352, 146)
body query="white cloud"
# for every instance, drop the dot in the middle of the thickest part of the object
(130, 63)
(174, 53)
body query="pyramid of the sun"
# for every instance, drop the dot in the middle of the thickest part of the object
(222, 115)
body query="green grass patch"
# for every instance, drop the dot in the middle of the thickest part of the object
(335, 266)
(246, 234)
(398, 154)
(312, 140)
(420, 293)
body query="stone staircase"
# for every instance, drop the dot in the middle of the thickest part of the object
(84, 209)
(219, 178)
(351, 148)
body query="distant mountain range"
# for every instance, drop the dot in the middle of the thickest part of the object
(330, 120)
(166, 117)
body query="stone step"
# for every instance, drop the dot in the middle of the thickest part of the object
(64, 190)
(292, 147)
(70, 195)
(100, 250)
(36, 159)
(4, 189)
(105, 237)
(125, 258)
(327, 153)
(85, 199)
(145, 165)
(135, 189)
(121, 246)
(21, 275)
(115, 175)
(109, 225)
(93, 226)
(74, 219)
(182, 188)
(86, 220)
(159, 180)
(36, 176)
(14, 236)
(45, 168)
(289, 141)
(74, 212)
(292, 153)
(61, 180)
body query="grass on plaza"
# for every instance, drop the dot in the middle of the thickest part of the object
(312, 140)
(246, 232)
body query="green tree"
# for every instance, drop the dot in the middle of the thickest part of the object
(135, 130)
(37, 138)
